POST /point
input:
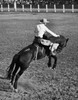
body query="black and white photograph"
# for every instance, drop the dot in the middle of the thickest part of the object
(38, 49)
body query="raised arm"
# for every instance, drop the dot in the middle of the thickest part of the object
(52, 33)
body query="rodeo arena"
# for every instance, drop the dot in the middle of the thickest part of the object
(38, 49)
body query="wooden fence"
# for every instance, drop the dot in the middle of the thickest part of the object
(15, 8)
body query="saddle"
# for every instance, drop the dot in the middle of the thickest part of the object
(42, 41)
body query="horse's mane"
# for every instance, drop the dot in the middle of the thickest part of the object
(54, 39)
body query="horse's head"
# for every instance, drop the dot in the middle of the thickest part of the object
(62, 44)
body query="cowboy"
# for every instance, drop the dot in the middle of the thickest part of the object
(41, 29)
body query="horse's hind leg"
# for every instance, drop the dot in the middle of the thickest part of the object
(14, 73)
(9, 70)
(17, 77)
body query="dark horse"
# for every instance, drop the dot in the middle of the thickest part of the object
(22, 59)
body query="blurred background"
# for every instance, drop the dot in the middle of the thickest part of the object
(42, 3)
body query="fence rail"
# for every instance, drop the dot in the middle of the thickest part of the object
(23, 8)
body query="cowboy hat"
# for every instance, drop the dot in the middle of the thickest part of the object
(44, 20)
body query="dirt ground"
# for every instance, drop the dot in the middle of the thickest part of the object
(39, 82)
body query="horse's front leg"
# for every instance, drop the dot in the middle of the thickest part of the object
(49, 61)
(55, 61)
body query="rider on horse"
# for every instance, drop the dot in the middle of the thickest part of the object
(41, 29)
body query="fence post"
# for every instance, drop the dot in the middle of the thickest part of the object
(72, 8)
(23, 7)
(63, 8)
(46, 8)
(30, 7)
(8, 7)
(38, 8)
(55, 8)
(1, 8)
(15, 5)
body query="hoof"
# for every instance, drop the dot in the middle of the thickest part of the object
(16, 90)
(53, 68)
(11, 85)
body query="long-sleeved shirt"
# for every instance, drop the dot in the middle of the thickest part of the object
(41, 29)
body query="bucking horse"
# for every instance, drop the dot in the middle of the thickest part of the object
(34, 51)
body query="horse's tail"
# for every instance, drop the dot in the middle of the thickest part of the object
(12, 65)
